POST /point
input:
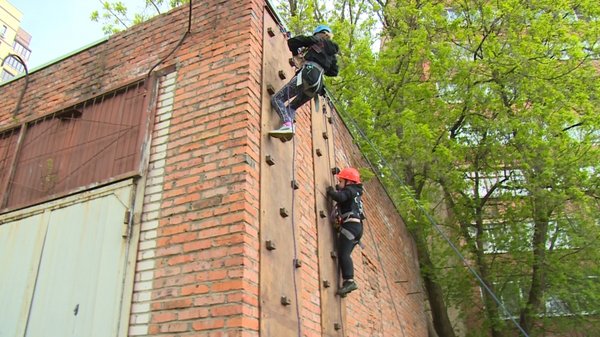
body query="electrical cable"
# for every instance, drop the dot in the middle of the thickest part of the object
(18, 58)
(187, 32)
(427, 215)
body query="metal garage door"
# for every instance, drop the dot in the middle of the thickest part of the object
(63, 270)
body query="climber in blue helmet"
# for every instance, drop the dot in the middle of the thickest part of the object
(315, 56)
(322, 28)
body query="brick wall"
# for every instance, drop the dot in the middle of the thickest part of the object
(146, 256)
(198, 258)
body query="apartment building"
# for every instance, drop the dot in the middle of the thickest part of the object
(13, 41)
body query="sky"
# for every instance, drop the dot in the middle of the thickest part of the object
(59, 27)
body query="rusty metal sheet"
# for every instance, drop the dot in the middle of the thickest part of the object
(87, 144)
(332, 310)
(8, 147)
(278, 277)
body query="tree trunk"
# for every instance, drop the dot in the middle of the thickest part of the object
(435, 295)
(538, 277)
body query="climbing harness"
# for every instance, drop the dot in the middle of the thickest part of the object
(310, 79)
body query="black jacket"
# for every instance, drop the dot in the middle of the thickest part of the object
(321, 51)
(348, 199)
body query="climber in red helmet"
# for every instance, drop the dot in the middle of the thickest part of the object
(350, 214)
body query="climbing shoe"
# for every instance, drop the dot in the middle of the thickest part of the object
(285, 133)
(347, 287)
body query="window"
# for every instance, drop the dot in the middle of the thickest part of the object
(15, 64)
(512, 295)
(6, 75)
(499, 238)
(508, 181)
(23, 51)
(574, 298)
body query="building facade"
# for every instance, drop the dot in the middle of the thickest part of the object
(141, 194)
(13, 40)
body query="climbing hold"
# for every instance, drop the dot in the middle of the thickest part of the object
(337, 326)
(333, 254)
(297, 263)
(322, 214)
(270, 89)
(285, 300)
(335, 171)
(270, 160)
(326, 284)
(292, 63)
(295, 185)
(282, 74)
(325, 136)
(270, 32)
(319, 153)
(283, 212)
(270, 245)
(330, 120)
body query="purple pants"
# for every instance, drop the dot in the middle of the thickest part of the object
(289, 91)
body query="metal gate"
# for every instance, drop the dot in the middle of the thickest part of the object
(62, 265)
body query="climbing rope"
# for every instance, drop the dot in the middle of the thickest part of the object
(294, 268)
(330, 158)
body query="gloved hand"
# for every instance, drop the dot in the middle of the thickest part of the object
(330, 190)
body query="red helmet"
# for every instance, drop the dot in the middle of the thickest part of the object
(351, 174)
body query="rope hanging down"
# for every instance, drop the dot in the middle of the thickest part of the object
(330, 158)
(293, 262)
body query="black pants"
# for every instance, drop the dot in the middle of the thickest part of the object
(345, 245)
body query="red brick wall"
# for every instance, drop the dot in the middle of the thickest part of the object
(198, 260)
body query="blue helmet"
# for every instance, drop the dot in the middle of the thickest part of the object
(321, 28)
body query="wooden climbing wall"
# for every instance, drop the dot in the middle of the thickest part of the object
(280, 275)
(332, 312)
(279, 282)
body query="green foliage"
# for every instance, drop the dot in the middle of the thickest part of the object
(489, 117)
(115, 16)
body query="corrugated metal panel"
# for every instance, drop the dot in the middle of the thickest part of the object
(85, 145)
(20, 250)
(79, 286)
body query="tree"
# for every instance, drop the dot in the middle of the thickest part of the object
(115, 16)
(488, 112)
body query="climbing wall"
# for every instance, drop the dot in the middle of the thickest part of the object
(279, 282)
(331, 305)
